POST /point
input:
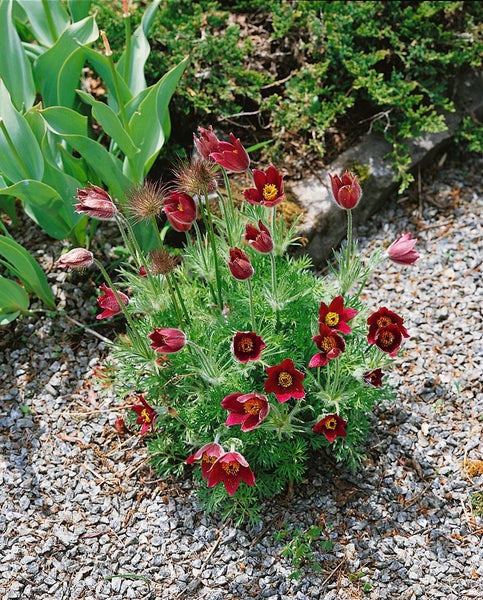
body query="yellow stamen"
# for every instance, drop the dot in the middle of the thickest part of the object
(270, 192)
(384, 322)
(252, 406)
(386, 338)
(331, 319)
(231, 468)
(328, 343)
(285, 379)
(208, 458)
(245, 345)
(145, 415)
(331, 423)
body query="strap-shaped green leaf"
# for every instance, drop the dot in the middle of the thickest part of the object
(47, 20)
(15, 68)
(20, 155)
(13, 300)
(79, 9)
(27, 269)
(110, 123)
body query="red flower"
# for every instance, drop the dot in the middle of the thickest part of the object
(231, 156)
(269, 187)
(330, 345)
(401, 251)
(346, 190)
(146, 415)
(331, 426)
(247, 345)
(247, 409)
(335, 315)
(207, 142)
(109, 302)
(142, 271)
(180, 210)
(259, 239)
(240, 265)
(373, 377)
(383, 318)
(229, 469)
(120, 426)
(285, 381)
(167, 340)
(208, 454)
(388, 339)
(95, 202)
(77, 258)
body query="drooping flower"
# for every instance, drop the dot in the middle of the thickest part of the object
(207, 142)
(77, 259)
(167, 340)
(268, 189)
(336, 316)
(346, 190)
(109, 302)
(239, 264)
(95, 202)
(373, 377)
(331, 426)
(249, 410)
(402, 250)
(259, 239)
(285, 381)
(180, 210)
(388, 339)
(247, 345)
(208, 454)
(230, 468)
(383, 318)
(146, 415)
(330, 345)
(231, 156)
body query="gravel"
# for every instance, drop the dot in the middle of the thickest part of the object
(83, 517)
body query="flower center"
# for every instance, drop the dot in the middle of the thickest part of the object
(208, 458)
(386, 339)
(252, 406)
(245, 345)
(331, 423)
(179, 207)
(270, 192)
(285, 379)
(231, 468)
(384, 322)
(145, 415)
(328, 343)
(331, 319)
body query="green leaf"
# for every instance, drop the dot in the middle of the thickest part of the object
(58, 69)
(47, 20)
(132, 67)
(13, 300)
(43, 205)
(15, 163)
(15, 68)
(147, 124)
(27, 269)
(110, 123)
(79, 9)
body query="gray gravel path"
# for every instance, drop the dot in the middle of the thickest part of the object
(84, 518)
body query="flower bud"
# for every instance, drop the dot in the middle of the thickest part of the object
(239, 264)
(346, 190)
(259, 239)
(402, 250)
(95, 202)
(77, 258)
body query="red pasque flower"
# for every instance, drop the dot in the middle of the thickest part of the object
(259, 239)
(388, 339)
(109, 302)
(207, 142)
(331, 426)
(146, 415)
(231, 156)
(95, 202)
(120, 426)
(249, 410)
(208, 454)
(285, 381)
(167, 340)
(346, 190)
(77, 258)
(384, 318)
(373, 377)
(336, 316)
(247, 345)
(268, 188)
(229, 468)
(180, 210)
(402, 250)
(239, 264)
(330, 345)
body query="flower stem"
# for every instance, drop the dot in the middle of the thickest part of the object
(252, 312)
(211, 238)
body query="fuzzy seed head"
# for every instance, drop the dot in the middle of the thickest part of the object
(146, 201)
(196, 177)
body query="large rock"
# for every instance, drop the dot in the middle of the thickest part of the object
(324, 223)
